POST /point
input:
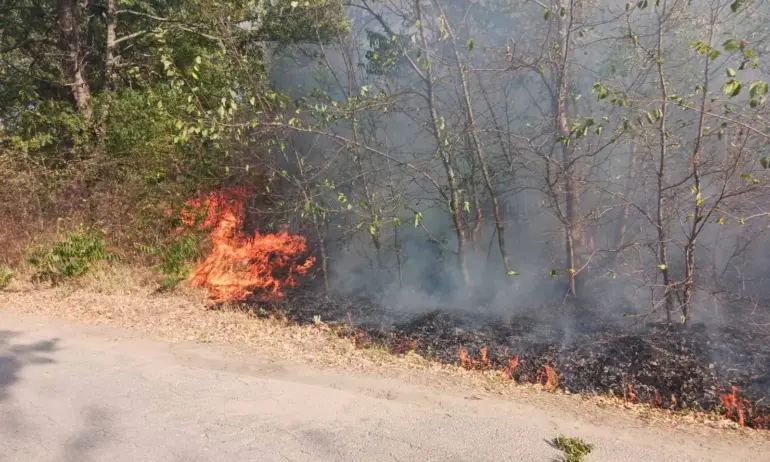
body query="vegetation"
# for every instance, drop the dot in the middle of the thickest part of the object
(74, 255)
(94, 92)
(573, 145)
(6, 276)
(575, 449)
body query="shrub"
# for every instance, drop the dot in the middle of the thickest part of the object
(176, 258)
(75, 254)
(6, 276)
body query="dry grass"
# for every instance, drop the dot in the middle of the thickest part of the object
(128, 298)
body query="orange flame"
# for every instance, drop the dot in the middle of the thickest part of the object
(552, 378)
(629, 393)
(484, 359)
(508, 370)
(465, 359)
(733, 404)
(240, 265)
(469, 363)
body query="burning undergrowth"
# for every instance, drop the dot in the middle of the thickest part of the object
(240, 265)
(722, 368)
(652, 363)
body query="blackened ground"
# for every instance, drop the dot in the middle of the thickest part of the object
(591, 352)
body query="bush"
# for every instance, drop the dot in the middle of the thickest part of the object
(176, 259)
(6, 276)
(76, 254)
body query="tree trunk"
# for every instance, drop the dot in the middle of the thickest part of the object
(68, 15)
(698, 215)
(446, 157)
(621, 235)
(661, 221)
(476, 146)
(573, 227)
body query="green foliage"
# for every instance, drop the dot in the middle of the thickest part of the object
(6, 276)
(75, 254)
(176, 258)
(384, 53)
(575, 449)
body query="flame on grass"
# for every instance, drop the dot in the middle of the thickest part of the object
(240, 265)
(735, 406)
(629, 393)
(510, 369)
(552, 378)
(469, 363)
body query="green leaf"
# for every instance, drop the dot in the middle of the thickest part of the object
(699, 200)
(563, 12)
(417, 219)
(554, 273)
(546, 14)
(714, 54)
(469, 44)
(662, 267)
(467, 207)
(512, 273)
(764, 162)
(730, 72)
(397, 221)
(721, 221)
(731, 45)
(735, 5)
(732, 88)
(372, 230)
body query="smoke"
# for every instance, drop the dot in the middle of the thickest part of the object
(396, 241)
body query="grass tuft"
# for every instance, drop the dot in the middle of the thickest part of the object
(575, 449)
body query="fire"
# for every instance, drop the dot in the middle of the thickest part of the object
(630, 394)
(469, 363)
(508, 370)
(552, 378)
(465, 359)
(241, 265)
(484, 359)
(733, 404)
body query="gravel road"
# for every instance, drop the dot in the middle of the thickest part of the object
(71, 392)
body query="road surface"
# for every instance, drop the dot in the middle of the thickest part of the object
(70, 392)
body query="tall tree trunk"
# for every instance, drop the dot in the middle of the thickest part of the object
(68, 15)
(476, 146)
(446, 156)
(110, 63)
(574, 224)
(621, 235)
(689, 276)
(661, 221)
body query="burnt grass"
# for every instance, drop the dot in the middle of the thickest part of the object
(592, 353)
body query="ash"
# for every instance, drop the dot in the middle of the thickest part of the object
(593, 353)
